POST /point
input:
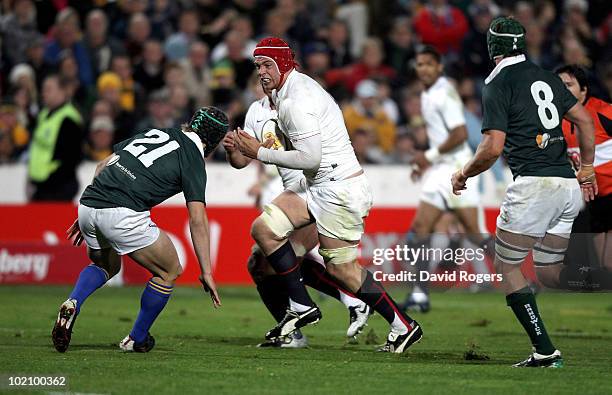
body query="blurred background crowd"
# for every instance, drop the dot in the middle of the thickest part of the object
(127, 65)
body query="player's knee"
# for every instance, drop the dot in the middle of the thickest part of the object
(272, 223)
(173, 274)
(254, 265)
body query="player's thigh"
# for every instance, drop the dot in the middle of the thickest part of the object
(294, 206)
(511, 249)
(304, 239)
(426, 217)
(159, 258)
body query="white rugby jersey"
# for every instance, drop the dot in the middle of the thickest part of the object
(443, 111)
(314, 124)
(261, 123)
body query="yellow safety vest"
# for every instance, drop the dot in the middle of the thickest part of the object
(41, 164)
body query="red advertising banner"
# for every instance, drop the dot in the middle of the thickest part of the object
(34, 249)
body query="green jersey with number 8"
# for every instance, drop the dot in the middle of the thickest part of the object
(148, 169)
(528, 104)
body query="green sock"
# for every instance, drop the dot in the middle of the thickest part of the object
(523, 304)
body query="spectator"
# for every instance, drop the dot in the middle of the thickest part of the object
(159, 112)
(369, 66)
(174, 76)
(100, 139)
(242, 65)
(149, 73)
(399, 47)
(100, 47)
(442, 26)
(55, 151)
(366, 113)
(300, 26)
(475, 54)
(387, 104)
(316, 60)
(182, 107)
(139, 32)
(244, 27)
(536, 51)
(110, 90)
(13, 135)
(403, 151)
(339, 44)
(122, 20)
(35, 55)
(277, 25)
(68, 71)
(132, 94)
(22, 76)
(162, 16)
(177, 45)
(18, 28)
(223, 85)
(67, 37)
(363, 145)
(197, 73)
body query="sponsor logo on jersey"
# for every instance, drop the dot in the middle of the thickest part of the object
(13, 264)
(113, 160)
(125, 170)
(543, 140)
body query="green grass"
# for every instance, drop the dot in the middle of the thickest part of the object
(200, 350)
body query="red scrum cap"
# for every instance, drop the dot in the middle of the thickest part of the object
(278, 51)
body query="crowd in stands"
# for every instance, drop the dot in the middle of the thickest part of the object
(128, 65)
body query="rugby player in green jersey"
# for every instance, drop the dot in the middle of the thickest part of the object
(523, 106)
(114, 219)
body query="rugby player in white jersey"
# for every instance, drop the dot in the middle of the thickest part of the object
(261, 123)
(442, 110)
(334, 194)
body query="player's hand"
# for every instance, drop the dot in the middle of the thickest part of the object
(248, 145)
(74, 233)
(229, 141)
(587, 181)
(416, 173)
(459, 182)
(209, 286)
(420, 160)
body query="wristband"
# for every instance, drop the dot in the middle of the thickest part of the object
(432, 154)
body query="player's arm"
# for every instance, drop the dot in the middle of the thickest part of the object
(489, 149)
(451, 112)
(305, 136)
(200, 237)
(578, 115)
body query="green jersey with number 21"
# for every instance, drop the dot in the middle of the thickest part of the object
(528, 104)
(148, 169)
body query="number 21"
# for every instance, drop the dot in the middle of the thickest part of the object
(154, 136)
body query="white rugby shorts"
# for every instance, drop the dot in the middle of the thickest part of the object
(438, 191)
(122, 229)
(535, 206)
(338, 207)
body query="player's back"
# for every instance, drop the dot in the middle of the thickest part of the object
(528, 103)
(148, 169)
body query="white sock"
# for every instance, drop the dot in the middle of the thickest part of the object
(295, 306)
(398, 326)
(418, 295)
(349, 301)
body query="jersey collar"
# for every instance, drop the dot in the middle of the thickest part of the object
(504, 63)
(197, 141)
(282, 92)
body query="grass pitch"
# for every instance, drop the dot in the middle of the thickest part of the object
(200, 350)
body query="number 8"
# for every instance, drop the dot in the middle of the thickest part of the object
(545, 104)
